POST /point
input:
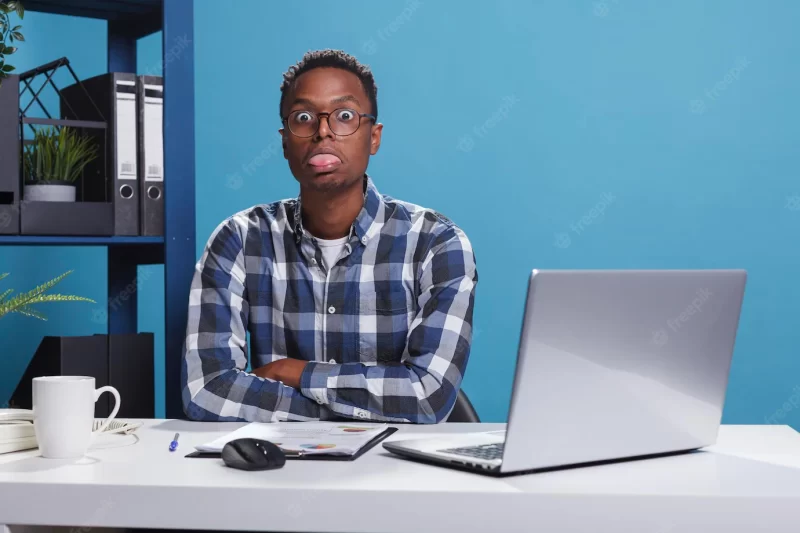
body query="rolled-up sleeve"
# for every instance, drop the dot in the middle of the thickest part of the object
(215, 384)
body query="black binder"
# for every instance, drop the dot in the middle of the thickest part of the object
(124, 361)
(150, 108)
(113, 176)
(131, 370)
(9, 156)
(313, 457)
(67, 356)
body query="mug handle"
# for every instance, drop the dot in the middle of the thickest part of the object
(97, 393)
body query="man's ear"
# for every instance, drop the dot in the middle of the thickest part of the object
(283, 141)
(375, 138)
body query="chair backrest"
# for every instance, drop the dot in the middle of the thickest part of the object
(463, 410)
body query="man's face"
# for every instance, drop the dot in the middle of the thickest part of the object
(327, 161)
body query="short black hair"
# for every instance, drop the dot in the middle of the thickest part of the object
(331, 58)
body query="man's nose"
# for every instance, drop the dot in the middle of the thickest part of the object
(324, 129)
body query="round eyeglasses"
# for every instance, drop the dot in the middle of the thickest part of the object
(340, 121)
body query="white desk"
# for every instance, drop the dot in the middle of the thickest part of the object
(749, 481)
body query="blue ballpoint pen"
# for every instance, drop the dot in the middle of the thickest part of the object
(174, 444)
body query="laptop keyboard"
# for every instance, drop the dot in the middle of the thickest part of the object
(487, 452)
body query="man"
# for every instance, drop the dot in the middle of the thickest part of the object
(358, 305)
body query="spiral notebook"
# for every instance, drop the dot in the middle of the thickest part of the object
(306, 440)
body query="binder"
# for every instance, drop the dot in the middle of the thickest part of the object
(131, 369)
(9, 156)
(150, 103)
(112, 177)
(124, 361)
(66, 356)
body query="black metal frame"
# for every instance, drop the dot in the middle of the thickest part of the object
(49, 70)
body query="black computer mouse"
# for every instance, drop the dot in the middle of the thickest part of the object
(252, 454)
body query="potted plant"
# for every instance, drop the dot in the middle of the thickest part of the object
(53, 162)
(22, 303)
(9, 34)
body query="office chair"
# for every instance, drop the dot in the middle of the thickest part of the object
(463, 410)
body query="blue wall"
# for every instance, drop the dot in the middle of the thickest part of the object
(515, 120)
(686, 114)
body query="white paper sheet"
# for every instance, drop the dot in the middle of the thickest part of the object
(330, 438)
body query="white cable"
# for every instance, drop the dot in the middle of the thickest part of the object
(116, 426)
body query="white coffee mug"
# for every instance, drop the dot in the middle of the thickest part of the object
(63, 414)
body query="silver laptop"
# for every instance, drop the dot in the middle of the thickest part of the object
(612, 365)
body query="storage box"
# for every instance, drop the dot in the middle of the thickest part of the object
(124, 361)
(67, 218)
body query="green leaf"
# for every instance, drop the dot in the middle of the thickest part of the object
(12, 5)
(16, 28)
(20, 10)
(5, 295)
(4, 8)
(18, 36)
(8, 68)
(22, 302)
(28, 311)
(9, 50)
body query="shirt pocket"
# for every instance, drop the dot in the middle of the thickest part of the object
(383, 319)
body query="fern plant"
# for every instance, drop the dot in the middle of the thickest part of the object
(57, 155)
(22, 303)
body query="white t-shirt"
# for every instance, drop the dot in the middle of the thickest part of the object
(331, 249)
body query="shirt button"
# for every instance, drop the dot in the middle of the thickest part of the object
(364, 239)
(319, 402)
(332, 361)
(313, 261)
(331, 309)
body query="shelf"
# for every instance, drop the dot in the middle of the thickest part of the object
(128, 21)
(136, 18)
(118, 10)
(55, 240)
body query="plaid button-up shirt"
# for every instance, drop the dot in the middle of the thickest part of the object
(386, 330)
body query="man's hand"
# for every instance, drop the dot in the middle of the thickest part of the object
(286, 370)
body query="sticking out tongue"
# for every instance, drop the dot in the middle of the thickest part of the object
(321, 160)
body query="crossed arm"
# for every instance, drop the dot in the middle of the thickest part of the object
(423, 389)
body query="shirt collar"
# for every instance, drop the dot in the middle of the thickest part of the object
(364, 220)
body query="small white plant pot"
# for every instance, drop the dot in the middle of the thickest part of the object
(50, 192)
